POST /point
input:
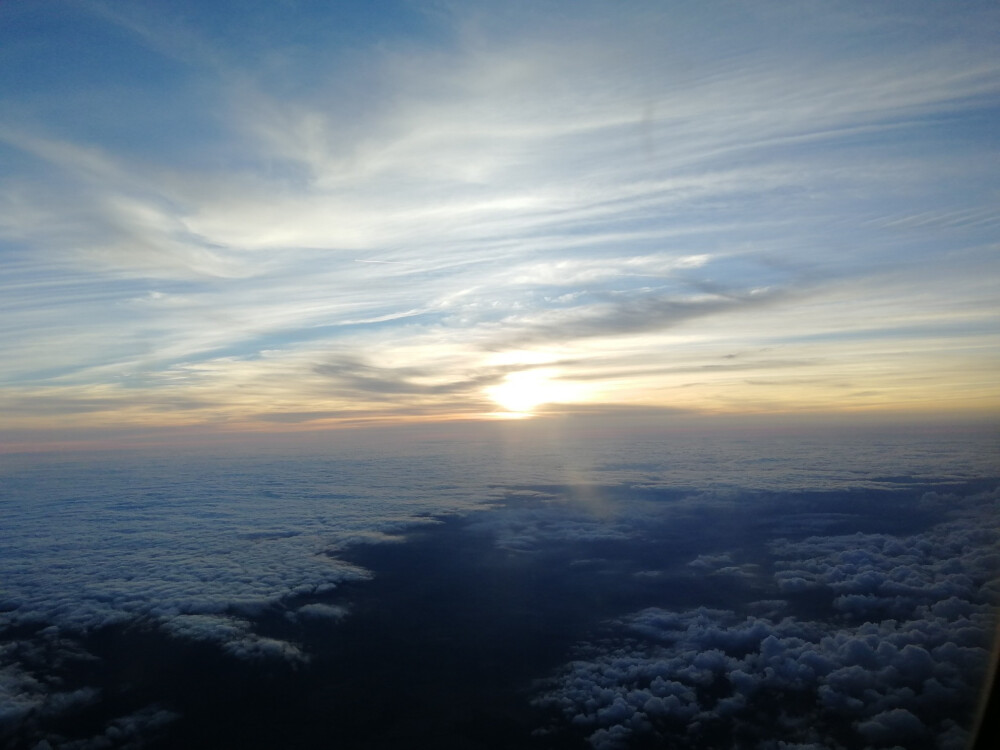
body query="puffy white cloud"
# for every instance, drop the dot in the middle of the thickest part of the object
(20, 693)
(32, 689)
(885, 680)
(892, 727)
(318, 611)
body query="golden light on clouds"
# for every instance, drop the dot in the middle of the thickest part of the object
(511, 223)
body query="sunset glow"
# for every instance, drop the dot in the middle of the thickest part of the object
(213, 219)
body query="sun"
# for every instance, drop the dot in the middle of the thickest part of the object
(521, 392)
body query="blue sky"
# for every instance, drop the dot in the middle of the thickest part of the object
(250, 215)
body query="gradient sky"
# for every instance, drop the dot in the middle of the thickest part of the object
(267, 215)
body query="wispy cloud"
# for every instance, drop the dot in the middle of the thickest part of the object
(559, 181)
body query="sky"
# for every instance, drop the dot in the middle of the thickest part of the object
(278, 216)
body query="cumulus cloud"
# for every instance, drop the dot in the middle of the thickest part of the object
(879, 575)
(200, 550)
(900, 665)
(33, 691)
(204, 557)
(317, 611)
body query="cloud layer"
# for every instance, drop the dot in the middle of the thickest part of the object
(743, 576)
(898, 661)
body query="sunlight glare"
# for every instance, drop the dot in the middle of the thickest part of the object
(521, 392)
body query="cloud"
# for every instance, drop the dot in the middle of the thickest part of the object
(636, 314)
(356, 376)
(242, 555)
(235, 635)
(618, 189)
(38, 688)
(861, 678)
(318, 611)
(204, 564)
